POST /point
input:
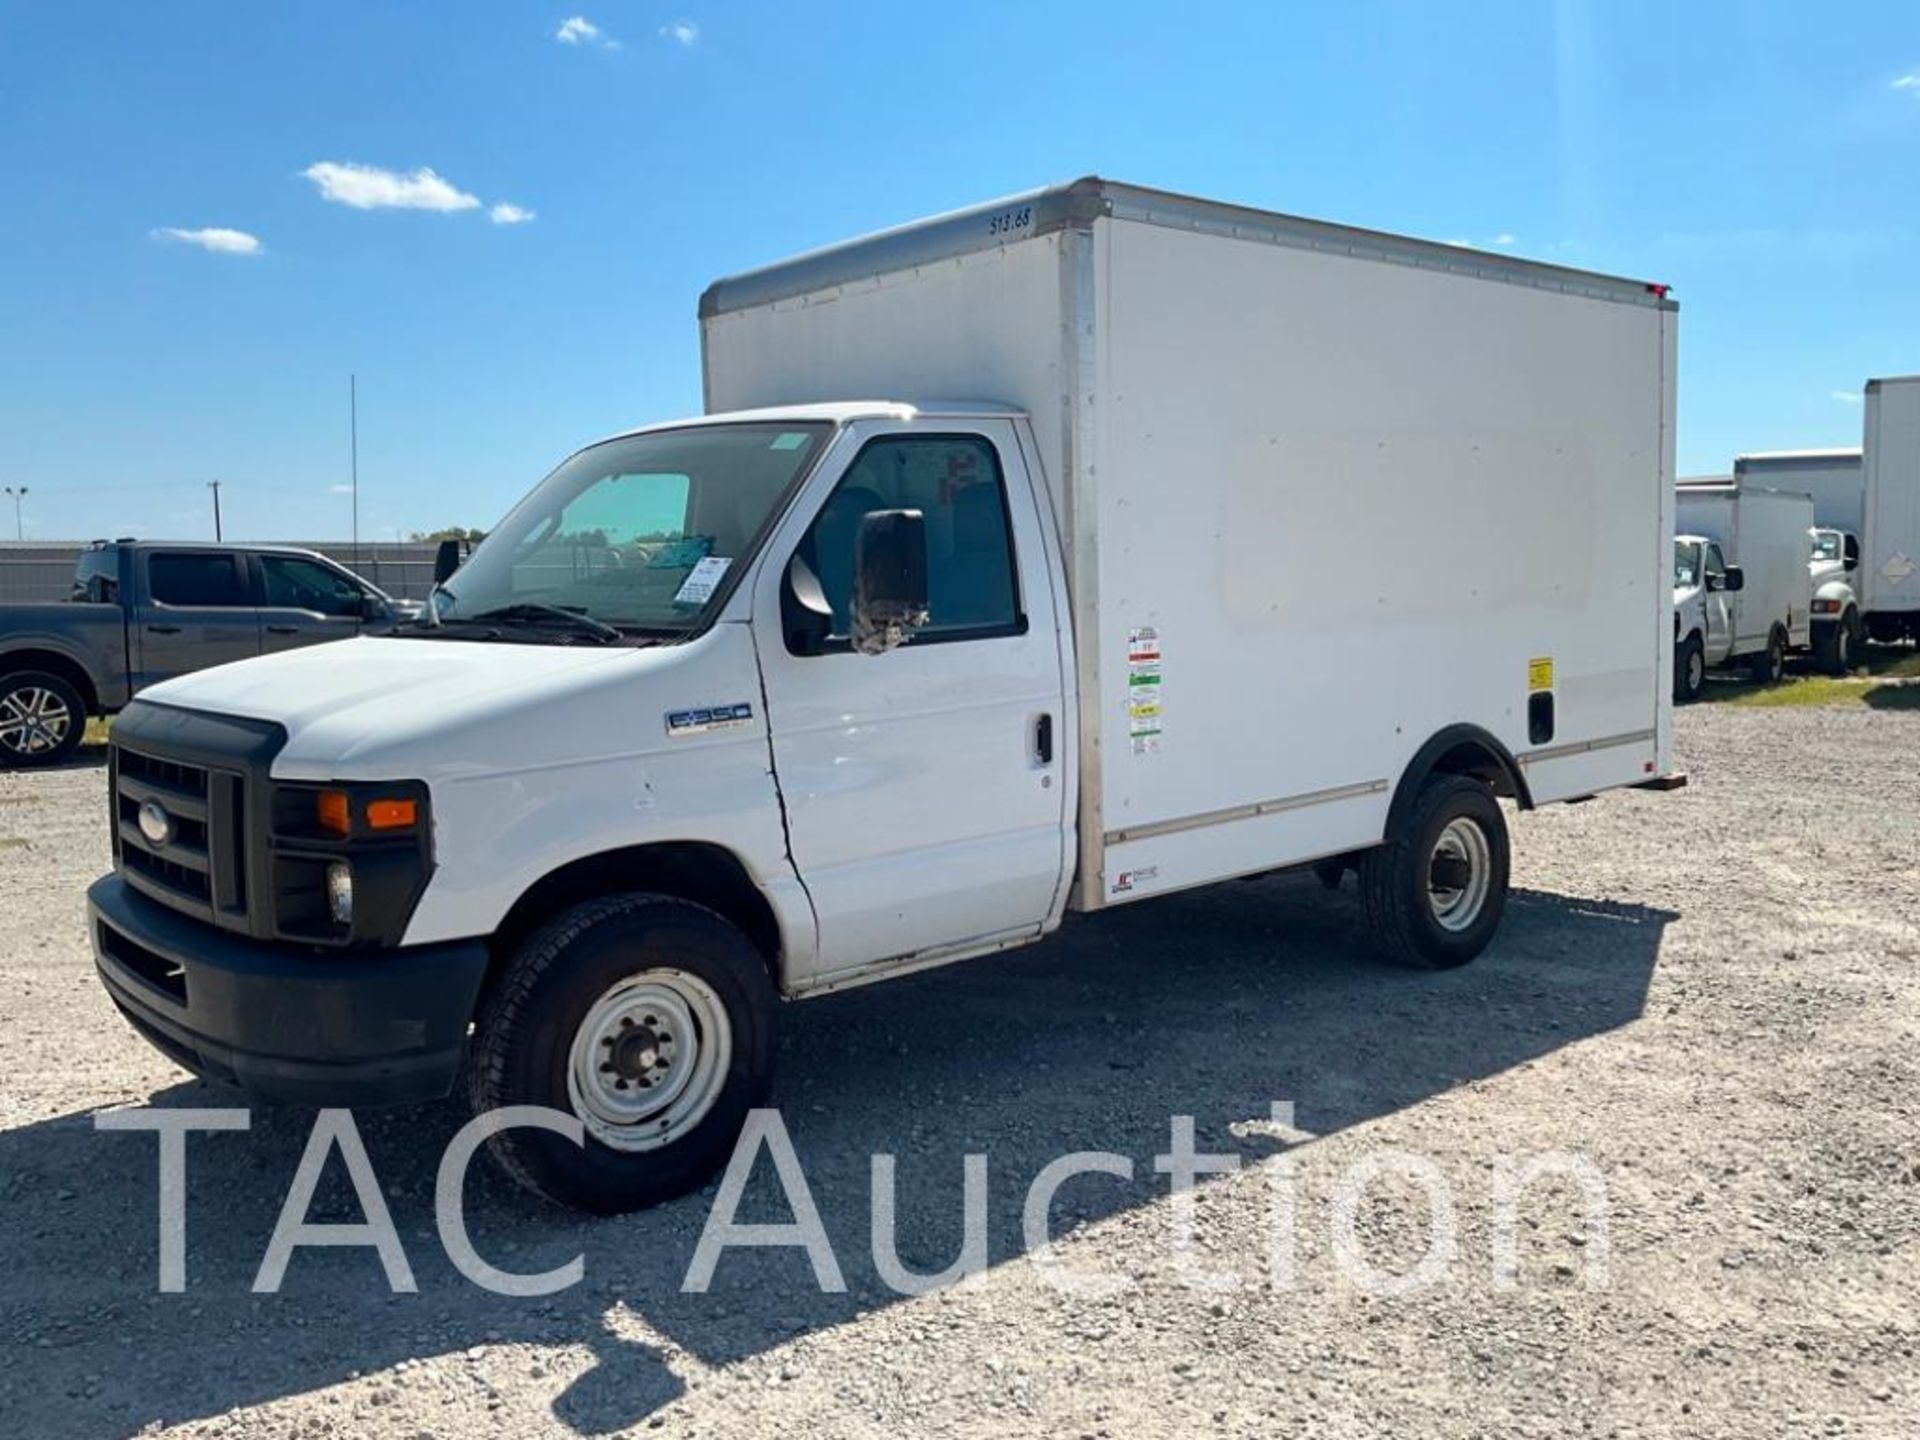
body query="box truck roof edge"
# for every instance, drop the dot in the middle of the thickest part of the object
(1079, 202)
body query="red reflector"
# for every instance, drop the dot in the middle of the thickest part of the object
(1659, 292)
(1647, 769)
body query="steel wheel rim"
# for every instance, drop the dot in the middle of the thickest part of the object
(1696, 671)
(1457, 906)
(33, 720)
(649, 1059)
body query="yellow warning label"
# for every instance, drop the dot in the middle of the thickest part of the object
(1540, 674)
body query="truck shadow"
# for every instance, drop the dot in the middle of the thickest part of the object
(1212, 1004)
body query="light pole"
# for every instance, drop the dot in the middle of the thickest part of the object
(19, 494)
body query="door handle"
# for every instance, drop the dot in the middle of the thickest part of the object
(1043, 739)
(163, 629)
(283, 629)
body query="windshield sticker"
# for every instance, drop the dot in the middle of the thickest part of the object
(701, 581)
(679, 554)
(789, 440)
(1144, 690)
(712, 717)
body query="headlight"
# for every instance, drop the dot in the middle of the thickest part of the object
(340, 893)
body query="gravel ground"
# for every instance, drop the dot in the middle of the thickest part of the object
(1710, 995)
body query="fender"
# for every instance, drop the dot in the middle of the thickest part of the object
(1459, 749)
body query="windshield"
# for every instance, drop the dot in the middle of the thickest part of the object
(1686, 563)
(637, 533)
(1826, 544)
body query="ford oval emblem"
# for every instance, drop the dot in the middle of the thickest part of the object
(156, 824)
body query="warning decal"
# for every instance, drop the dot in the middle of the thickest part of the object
(1145, 689)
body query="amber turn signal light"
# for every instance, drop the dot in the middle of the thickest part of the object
(391, 814)
(330, 808)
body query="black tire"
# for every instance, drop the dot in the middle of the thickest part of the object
(1689, 670)
(1769, 666)
(557, 980)
(1836, 646)
(1398, 878)
(43, 719)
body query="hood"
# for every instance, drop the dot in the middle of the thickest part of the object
(354, 703)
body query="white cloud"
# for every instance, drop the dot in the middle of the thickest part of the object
(339, 489)
(215, 238)
(1909, 82)
(683, 33)
(578, 30)
(368, 187)
(1506, 238)
(507, 213)
(1846, 397)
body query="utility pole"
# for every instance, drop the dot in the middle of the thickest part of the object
(214, 485)
(353, 445)
(19, 494)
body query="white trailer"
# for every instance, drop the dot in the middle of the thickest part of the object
(1890, 526)
(1251, 542)
(1764, 607)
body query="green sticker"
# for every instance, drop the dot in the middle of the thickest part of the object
(789, 440)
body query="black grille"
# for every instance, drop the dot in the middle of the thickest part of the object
(198, 863)
(155, 969)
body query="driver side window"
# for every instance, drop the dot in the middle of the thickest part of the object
(1715, 565)
(955, 482)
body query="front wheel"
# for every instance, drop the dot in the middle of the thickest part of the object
(648, 1018)
(42, 719)
(1689, 670)
(1436, 889)
(1836, 645)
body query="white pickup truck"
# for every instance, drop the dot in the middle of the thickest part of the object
(815, 690)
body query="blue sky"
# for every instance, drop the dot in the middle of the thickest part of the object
(1760, 157)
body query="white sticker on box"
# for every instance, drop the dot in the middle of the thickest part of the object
(701, 581)
(1146, 687)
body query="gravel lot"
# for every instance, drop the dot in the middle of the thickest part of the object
(1711, 995)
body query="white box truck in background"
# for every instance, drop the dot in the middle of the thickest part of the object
(1890, 528)
(1835, 480)
(1249, 542)
(1742, 589)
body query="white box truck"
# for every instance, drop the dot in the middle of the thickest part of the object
(1743, 593)
(1250, 542)
(1834, 479)
(1890, 505)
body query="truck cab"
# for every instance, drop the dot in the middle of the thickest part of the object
(1703, 612)
(1834, 567)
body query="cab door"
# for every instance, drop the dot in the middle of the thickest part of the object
(199, 613)
(306, 602)
(923, 787)
(1719, 604)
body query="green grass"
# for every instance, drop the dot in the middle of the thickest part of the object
(1866, 687)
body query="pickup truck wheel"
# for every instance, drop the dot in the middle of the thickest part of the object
(1689, 671)
(42, 719)
(1769, 666)
(648, 1018)
(1436, 889)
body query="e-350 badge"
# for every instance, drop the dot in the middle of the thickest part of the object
(711, 717)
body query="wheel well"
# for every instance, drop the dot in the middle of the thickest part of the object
(705, 874)
(53, 662)
(1460, 750)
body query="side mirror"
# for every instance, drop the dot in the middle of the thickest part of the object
(1850, 549)
(1736, 578)
(889, 580)
(446, 560)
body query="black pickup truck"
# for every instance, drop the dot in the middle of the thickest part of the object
(145, 611)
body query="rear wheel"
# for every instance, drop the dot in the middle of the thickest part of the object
(1769, 666)
(1689, 670)
(1436, 889)
(648, 1018)
(42, 719)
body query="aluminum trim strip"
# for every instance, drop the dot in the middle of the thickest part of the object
(1244, 812)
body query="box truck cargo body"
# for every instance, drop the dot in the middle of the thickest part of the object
(1890, 529)
(1350, 490)
(1051, 555)
(1832, 478)
(1766, 534)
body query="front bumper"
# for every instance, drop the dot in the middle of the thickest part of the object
(286, 1024)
